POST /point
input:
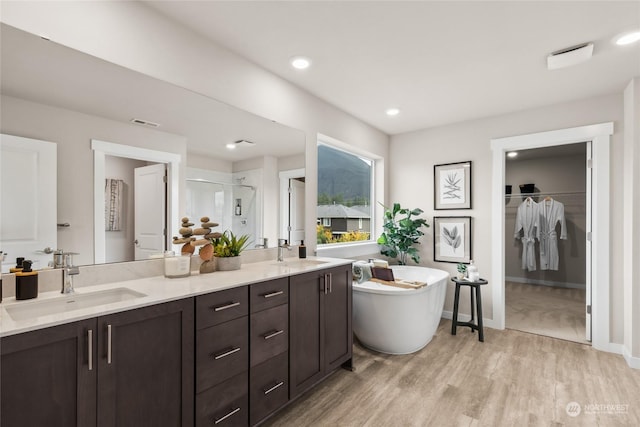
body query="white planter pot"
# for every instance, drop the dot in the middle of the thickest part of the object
(228, 263)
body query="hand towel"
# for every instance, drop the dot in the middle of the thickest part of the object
(361, 271)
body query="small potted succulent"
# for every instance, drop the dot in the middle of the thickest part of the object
(227, 249)
(462, 270)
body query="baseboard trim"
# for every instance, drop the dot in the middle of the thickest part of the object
(632, 361)
(545, 282)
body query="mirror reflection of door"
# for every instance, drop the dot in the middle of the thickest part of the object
(28, 209)
(296, 210)
(149, 210)
(131, 213)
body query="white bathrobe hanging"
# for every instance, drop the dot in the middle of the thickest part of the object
(550, 213)
(527, 221)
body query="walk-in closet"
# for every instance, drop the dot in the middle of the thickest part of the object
(546, 248)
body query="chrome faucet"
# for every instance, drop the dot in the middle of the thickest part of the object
(282, 244)
(264, 244)
(69, 270)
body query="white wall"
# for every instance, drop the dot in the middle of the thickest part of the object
(73, 132)
(558, 174)
(414, 154)
(134, 36)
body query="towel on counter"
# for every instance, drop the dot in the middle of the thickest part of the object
(362, 271)
(113, 204)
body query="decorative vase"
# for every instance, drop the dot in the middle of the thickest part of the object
(228, 263)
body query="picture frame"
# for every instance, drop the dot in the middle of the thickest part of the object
(452, 239)
(452, 186)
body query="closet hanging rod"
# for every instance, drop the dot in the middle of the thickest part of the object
(206, 181)
(559, 193)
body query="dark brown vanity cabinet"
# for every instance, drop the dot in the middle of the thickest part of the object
(320, 320)
(269, 339)
(127, 369)
(222, 358)
(47, 377)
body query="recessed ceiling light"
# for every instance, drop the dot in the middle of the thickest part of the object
(231, 146)
(392, 112)
(628, 38)
(300, 62)
(512, 154)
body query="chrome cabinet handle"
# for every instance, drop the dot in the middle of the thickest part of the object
(225, 353)
(219, 420)
(109, 348)
(325, 284)
(330, 282)
(90, 348)
(280, 384)
(273, 294)
(273, 334)
(224, 307)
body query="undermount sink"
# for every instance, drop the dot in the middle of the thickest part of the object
(300, 263)
(63, 304)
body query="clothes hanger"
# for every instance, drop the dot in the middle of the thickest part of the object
(548, 199)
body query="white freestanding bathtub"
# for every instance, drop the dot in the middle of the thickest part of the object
(396, 320)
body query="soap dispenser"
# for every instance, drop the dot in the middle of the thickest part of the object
(26, 282)
(18, 266)
(302, 250)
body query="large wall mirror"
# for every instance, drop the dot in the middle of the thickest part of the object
(117, 133)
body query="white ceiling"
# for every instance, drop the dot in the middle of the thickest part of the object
(439, 62)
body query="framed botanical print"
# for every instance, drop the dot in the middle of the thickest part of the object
(452, 186)
(452, 239)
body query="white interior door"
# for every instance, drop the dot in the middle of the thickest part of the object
(149, 210)
(588, 274)
(28, 176)
(296, 211)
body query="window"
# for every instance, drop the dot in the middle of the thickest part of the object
(345, 189)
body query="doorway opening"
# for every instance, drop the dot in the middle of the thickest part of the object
(598, 259)
(292, 202)
(546, 222)
(168, 161)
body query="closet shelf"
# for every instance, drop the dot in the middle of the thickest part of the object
(560, 193)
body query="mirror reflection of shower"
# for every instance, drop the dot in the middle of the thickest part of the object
(230, 203)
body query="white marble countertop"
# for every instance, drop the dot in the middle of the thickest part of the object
(159, 290)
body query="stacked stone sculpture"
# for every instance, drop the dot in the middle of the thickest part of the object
(198, 237)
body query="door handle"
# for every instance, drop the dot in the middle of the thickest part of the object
(135, 242)
(109, 344)
(90, 348)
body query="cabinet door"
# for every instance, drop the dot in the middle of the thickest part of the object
(46, 377)
(145, 366)
(306, 331)
(338, 337)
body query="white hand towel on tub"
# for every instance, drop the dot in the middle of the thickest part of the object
(361, 271)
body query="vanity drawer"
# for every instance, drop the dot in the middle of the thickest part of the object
(219, 307)
(269, 387)
(269, 334)
(269, 294)
(226, 404)
(222, 351)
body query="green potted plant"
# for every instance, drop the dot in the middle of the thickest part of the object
(227, 249)
(401, 233)
(462, 270)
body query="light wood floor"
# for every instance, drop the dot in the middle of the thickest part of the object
(546, 310)
(512, 379)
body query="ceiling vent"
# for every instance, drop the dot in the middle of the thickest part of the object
(244, 143)
(144, 123)
(569, 56)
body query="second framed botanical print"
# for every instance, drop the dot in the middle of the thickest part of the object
(452, 186)
(452, 239)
